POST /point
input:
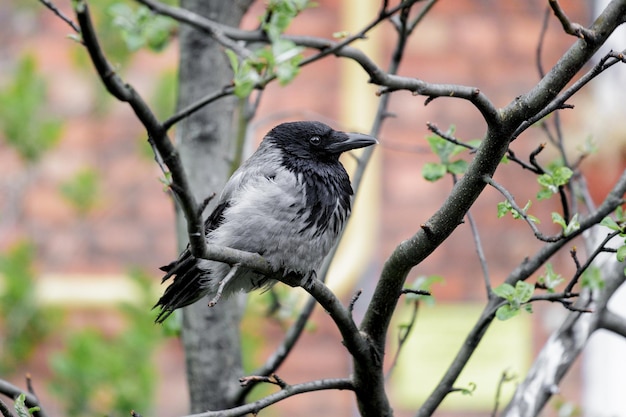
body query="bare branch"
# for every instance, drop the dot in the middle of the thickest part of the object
(404, 331)
(504, 378)
(270, 379)
(288, 391)
(580, 269)
(605, 63)
(5, 410)
(612, 322)
(54, 9)
(353, 301)
(481, 254)
(569, 27)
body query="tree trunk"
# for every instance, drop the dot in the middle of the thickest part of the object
(206, 142)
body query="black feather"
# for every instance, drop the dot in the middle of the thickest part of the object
(186, 286)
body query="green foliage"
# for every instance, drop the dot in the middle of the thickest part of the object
(592, 279)
(24, 121)
(279, 14)
(81, 190)
(444, 149)
(25, 324)
(516, 297)
(568, 228)
(617, 225)
(550, 279)
(96, 374)
(505, 207)
(552, 180)
(21, 409)
(280, 59)
(140, 28)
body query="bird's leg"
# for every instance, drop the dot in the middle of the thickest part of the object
(223, 283)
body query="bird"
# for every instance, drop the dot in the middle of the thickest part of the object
(288, 202)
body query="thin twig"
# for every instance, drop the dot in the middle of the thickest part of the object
(269, 379)
(353, 300)
(540, 43)
(443, 135)
(404, 331)
(570, 27)
(54, 9)
(580, 269)
(481, 254)
(558, 102)
(5, 410)
(521, 212)
(291, 390)
(504, 378)
(521, 273)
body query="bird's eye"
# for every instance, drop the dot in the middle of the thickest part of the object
(315, 140)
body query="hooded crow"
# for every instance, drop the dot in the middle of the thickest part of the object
(289, 202)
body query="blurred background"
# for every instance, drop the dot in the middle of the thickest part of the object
(85, 221)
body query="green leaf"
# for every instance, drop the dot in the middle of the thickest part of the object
(432, 171)
(610, 223)
(619, 214)
(457, 167)
(139, 27)
(443, 148)
(503, 208)
(592, 279)
(568, 228)
(505, 291)
(550, 279)
(279, 15)
(506, 312)
(573, 225)
(523, 291)
(558, 219)
(21, 409)
(551, 181)
(544, 194)
(232, 58)
(621, 253)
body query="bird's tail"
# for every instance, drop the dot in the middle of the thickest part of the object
(186, 286)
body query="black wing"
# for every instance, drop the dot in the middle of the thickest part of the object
(189, 282)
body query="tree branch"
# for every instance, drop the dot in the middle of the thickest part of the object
(613, 322)
(522, 272)
(501, 126)
(126, 93)
(288, 391)
(569, 27)
(31, 400)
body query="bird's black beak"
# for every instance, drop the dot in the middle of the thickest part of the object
(349, 141)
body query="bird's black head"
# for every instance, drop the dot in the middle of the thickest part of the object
(316, 141)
